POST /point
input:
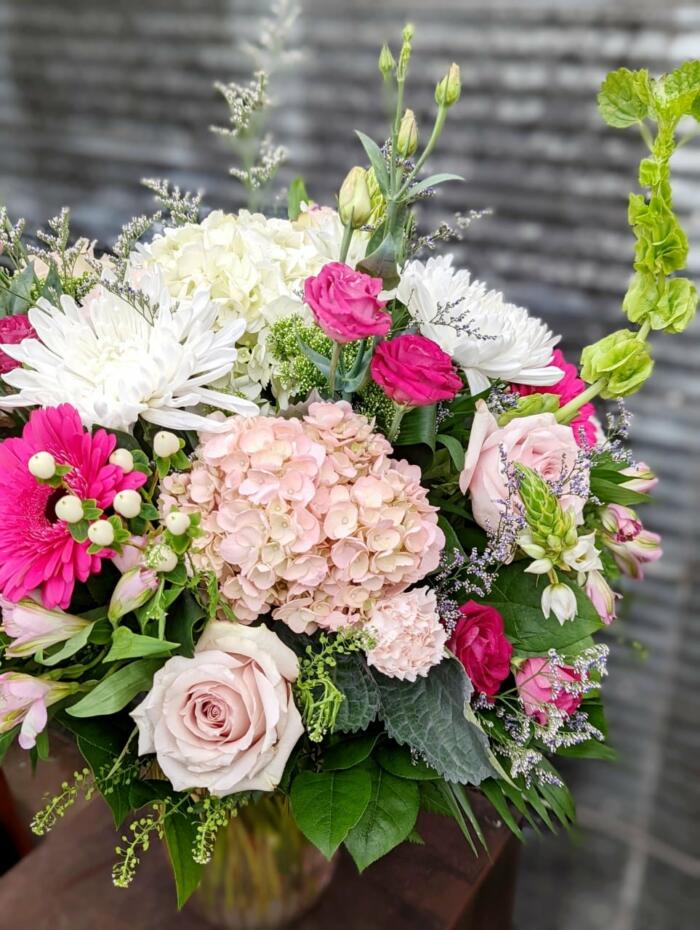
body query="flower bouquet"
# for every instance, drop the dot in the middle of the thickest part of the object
(293, 521)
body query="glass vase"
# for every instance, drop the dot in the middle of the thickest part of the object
(263, 872)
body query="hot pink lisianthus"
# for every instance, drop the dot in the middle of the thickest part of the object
(345, 303)
(408, 636)
(414, 371)
(568, 388)
(310, 518)
(631, 545)
(13, 329)
(539, 442)
(542, 686)
(479, 642)
(36, 548)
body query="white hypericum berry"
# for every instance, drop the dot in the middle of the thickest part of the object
(42, 465)
(123, 459)
(177, 522)
(161, 559)
(101, 532)
(165, 444)
(127, 503)
(69, 508)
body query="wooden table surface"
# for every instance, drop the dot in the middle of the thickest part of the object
(65, 884)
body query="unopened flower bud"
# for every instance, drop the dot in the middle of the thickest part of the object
(387, 62)
(165, 444)
(354, 203)
(127, 503)
(69, 508)
(101, 533)
(405, 53)
(123, 459)
(407, 141)
(42, 465)
(177, 522)
(132, 591)
(449, 88)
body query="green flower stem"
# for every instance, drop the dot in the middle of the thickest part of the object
(347, 239)
(644, 331)
(395, 426)
(335, 358)
(432, 142)
(566, 413)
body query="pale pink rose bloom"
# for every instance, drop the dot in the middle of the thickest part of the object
(24, 700)
(224, 720)
(547, 447)
(408, 636)
(33, 627)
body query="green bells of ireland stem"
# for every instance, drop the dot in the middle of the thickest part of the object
(621, 361)
(529, 406)
(668, 305)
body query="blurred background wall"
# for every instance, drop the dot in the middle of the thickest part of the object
(95, 94)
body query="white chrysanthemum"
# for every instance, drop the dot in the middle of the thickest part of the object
(487, 337)
(114, 364)
(254, 267)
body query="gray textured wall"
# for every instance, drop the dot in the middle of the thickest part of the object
(93, 95)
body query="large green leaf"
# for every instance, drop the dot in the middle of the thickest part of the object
(183, 617)
(428, 715)
(116, 691)
(349, 752)
(180, 834)
(518, 596)
(418, 427)
(388, 819)
(361, 704)
(327, 805)
(129, 645)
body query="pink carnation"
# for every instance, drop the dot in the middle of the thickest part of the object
(408, 636)
(567, 388)
(36, 548)
(345, 303)
(13, 329)
(309, 518)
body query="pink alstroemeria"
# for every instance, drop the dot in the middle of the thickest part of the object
(631, 545)
(641, 478)
(24, 700)
(601, 596)
(33, 627)
(132, 591)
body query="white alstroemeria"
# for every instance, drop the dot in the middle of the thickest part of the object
(486, 336)
(583, 556)
(560, 600)
(115, 363)
(33, 627)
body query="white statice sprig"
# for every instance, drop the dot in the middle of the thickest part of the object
(487, 337)
(115, 363)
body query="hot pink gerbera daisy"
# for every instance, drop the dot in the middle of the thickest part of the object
(568, 387)
(36, 548)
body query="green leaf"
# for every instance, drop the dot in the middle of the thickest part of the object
(376, 160)
(382, 262)
(517, 596)
(6, 740)
(327, 805)
(361, 704)
(624, 97)
(493, 790)
(182, 620)
(418, 426)
(128, 645)
(398, 761)
(22, 286)
(428, 715)
(455, 448)
(296, 196)
(679, 90)
(432, 798)
(116, 691)
(320, 361)
(349, 753)
(433, 181)
(180, 835)
(610, 492)
(69, 648)
(388, 819)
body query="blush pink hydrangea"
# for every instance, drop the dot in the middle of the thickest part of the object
(408, 638)
(309, 518)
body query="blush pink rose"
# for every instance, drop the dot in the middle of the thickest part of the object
(542, 686)
(414, 371)
(13, 330)
(345, 303)
(567, 388)
(224, 720)
(480, 644)
(539, 442)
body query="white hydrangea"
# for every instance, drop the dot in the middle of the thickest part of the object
(486, 336)
(254, 268)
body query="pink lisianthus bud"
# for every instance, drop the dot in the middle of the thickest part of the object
(24, 700)
(631, 545)
(542, 686)
(641, 478)
(33, 627)
(135, 588)
(414, 371)
(480, 644)
(345, 303)
(601, 596)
